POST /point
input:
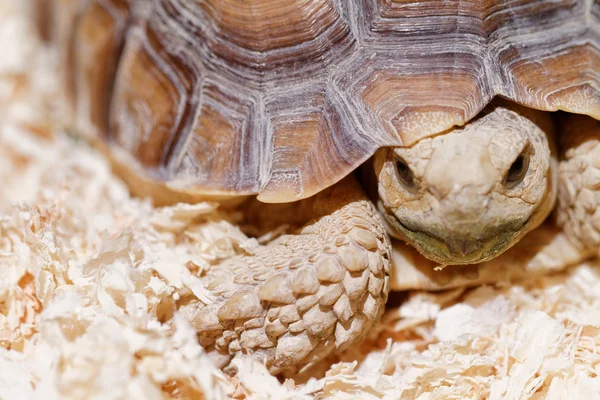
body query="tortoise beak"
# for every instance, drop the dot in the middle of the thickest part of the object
(457, 248)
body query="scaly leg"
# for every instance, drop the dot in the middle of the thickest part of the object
(303, 295)
(578, 207)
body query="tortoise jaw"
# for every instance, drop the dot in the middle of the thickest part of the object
(456, 248)
(461, 252)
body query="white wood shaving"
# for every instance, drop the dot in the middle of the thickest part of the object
(89, 275)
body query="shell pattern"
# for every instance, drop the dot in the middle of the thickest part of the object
(282, 98)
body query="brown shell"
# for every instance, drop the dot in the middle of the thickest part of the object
(282, 98)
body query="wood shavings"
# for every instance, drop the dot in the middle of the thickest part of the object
(90, 278)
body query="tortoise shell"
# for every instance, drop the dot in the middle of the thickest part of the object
(283, 98)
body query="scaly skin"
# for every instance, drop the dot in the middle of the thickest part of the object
(578, 207)
(303, 295)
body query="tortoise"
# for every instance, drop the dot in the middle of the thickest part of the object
(445, 108)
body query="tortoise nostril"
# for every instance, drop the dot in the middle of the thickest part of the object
(441, 190)
(465, 247)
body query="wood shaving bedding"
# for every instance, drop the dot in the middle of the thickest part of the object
(89, 277)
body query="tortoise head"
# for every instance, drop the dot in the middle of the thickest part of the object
(470, 193)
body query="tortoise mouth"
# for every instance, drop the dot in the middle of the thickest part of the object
(461, 249)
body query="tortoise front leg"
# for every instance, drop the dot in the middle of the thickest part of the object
(303, 295)
(579, 182)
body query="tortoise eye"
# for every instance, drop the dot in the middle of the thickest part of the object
(517, 171)
(405, 176)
